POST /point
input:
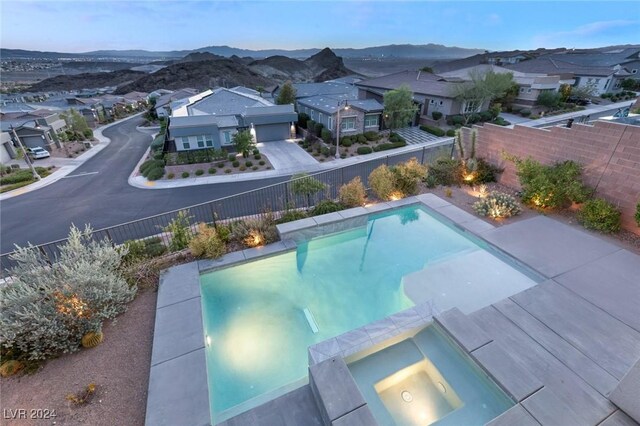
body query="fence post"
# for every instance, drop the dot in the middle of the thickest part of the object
(386, 160)
(113, 244)
(46, 256)
(286, 196)
(423, 150)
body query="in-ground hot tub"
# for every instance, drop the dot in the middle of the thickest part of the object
(426, 379)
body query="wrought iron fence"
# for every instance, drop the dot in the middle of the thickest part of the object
(272, 199)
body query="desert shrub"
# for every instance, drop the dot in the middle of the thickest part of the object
(525, 112)
(255, 151)
(311, 125)
(138, 250)
(486, 172)
(262, 162)
(325, 151)
(408, 175)
(382, 182)
(637, 216)
(155, 173)
(291, 215)
(248, 163)
(600, 215)
(362, 150)
(361, 139)
(47, 308)
(207, 243)
(20, 176)
(180, 230)
(433, 130)
(235, 163)
(227, 171)
(451, 132)
(352, 194)
(220, 165)
(212, 170)
(317, 129)
(199, 172)
(457, 120)
(150, 164)
(257, 157)
(436, 115)
(501, 121)
(326, 206)
(552, 186)
(497, 205)
(485, 116)
(326, 135)
(242, 168)
(231, 157)
(346, 141)
(171, 175)
(371, 135)
(445, 171)
(306, 186)
(255, 232)
(388, 146)
(185, 175)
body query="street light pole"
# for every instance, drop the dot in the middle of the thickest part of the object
(338, 124)
(36, 176)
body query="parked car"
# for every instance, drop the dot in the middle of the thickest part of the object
(37, 153)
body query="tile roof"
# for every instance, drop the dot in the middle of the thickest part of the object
(328, 88)
(419, 82)
(204, 120)
(225, 102)
(551, 65)
(329, 105)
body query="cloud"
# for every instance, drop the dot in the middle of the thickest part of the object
(588, 30)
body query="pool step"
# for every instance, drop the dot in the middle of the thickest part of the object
(311, 320)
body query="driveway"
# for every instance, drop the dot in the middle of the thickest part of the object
(286, 155)
(415, 136)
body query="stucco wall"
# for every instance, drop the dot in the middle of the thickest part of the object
(609, 153)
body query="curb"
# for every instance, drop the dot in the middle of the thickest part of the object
(67, 170)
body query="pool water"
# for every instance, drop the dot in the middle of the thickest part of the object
(260, 317)
(427, 380)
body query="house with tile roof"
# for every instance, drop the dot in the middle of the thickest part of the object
(211, 118)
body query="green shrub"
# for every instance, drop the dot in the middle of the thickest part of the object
(371, 135)
(362, 150)
(242, 168)
(326, 135)
(248, 163)
(317, 129)
(497, 205)
(255, 151)
(185, 175)
(352, 194)
(231, 157)
(486, 116)
(149, 164)
(199, 172)
(213, 170)
(346, 142)
(291, 215)
(436, 115)
(262, 162)
(525, 112)
(180, 230)
(47, 308)
(486, 172)
(433, 130)
(382, 182)
(155, 173)
(326, 206)
(408, 175)
(387, 146)
(451, 132)
(255, 168)
(235, 163)
(138, 250)
(302, 120)
(207, 243)
(362, 139)
(220, 165)
(257, 156)
(552, 186)
(600, 215)
(311, 125)
(171, 175)
(445, 171)
(457, 120)
(638, 214)
(227, 170)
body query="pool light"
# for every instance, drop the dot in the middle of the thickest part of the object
(406, 396)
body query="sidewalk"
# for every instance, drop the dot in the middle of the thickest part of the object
(66, 165)
(143, 183)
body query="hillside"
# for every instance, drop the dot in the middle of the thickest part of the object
(86, 80)
(199, 75)
(324, 65)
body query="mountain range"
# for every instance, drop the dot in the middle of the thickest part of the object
(421, 51)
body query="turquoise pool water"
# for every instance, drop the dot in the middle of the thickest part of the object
(260, 317)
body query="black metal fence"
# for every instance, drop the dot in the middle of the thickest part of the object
(256, 203)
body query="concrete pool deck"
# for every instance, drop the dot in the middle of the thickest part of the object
(558, 348)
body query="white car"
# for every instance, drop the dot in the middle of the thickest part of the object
(37, 153)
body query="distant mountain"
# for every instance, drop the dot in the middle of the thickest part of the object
(86, 80)
(425, 51)
(322, 66)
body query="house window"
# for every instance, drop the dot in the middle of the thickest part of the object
(185, 143)
(200, 140)
(528, 89)
(209, 141)
(597, 81)
(471, 106)
(432, 102)
(371, 120)
(522, 90)
(348, 123)
(227, 137)
(330, 123)
(441, 103)
(313, 115)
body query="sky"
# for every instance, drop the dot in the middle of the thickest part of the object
(81, 26)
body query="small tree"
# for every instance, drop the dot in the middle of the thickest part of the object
(427, 69)
(180, 230)
(399, 108)
(287, 94)
(77, 123)
(565, 92)
(630, 84)
(305, 185)
(244, 143)
(549, 99)
(480, 89)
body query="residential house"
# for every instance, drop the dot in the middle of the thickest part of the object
(47, 119)
(210, 119)
(431, 93)
(356, 115)
(33, 135)
(163, 102)
(7, 150)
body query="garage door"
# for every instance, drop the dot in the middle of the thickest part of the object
(272, 132)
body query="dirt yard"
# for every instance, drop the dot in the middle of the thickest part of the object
(119, 367)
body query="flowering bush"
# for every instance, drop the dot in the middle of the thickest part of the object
(352, 194)
(48, 308)
(497, 205)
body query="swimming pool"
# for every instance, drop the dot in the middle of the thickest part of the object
(260, 317)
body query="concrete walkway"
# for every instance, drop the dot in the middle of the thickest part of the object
(302, 165)
(282, 154)
(66, 165)
(415, 136)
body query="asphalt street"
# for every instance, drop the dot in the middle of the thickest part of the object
(97, 193)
